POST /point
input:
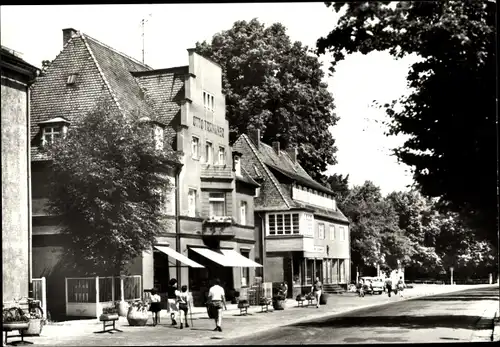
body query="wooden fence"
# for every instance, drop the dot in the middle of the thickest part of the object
(85, 296)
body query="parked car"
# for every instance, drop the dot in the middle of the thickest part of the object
(373, 285)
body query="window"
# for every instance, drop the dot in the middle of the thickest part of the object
(217, 203)
(272, 224)
(158, 134)
(50, 133)
(208, 104)
(209, 152)
(342, 233)
(195, 147)
(192, 202)
(237, 165)
(283, 223)
(222, 156)
(309, 224)
(321, 231)
(245, 271)
(71, 79)
(332, 232)
(243, 213)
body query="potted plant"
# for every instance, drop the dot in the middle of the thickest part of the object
(137, 314)
(14, 318)
(243, 303)
(36, 322)
(279, 302)
(110, 312)
(235, 298)
(300, 297)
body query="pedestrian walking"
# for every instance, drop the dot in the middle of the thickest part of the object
(183, 300)
(361, 288)
(155, 307)
(317, 288)
(388, 285)
(172, 300)
(401, 286)
(217, 301)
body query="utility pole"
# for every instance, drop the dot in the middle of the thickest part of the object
(143, 21)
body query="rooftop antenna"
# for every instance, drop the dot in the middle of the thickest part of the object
(143, 21)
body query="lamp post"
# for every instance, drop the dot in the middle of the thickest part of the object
(451, 275)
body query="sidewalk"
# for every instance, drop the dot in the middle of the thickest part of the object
(81, 332)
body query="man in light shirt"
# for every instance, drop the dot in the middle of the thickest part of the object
(217, 300)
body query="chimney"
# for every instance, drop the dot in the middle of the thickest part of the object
(68, 34)
(292, 152)
(276, 146)
(254, 135)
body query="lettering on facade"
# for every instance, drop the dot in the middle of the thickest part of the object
(319, 249)
(210, 127)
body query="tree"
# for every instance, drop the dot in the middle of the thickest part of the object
(450, 113)
(106, 179)
(276, 86)
(340, 187)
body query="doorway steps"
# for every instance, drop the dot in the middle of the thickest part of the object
(333, 289)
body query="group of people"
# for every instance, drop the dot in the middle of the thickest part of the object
(400, 286)
(180, 302)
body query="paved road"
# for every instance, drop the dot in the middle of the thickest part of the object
(449, 317)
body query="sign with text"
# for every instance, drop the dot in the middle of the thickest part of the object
(319, 249)
(210, 127)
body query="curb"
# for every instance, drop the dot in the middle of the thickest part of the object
(342, 311)
(495, 334)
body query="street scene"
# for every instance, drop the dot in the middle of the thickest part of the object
(198, 174)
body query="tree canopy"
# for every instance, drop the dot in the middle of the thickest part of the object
(106, 184)
(275, 85)
(408, 229)
(450, 112)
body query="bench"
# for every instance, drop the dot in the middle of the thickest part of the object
(108, 320)
(265, 304)
(243, 306)
(300, 301)
(13, 326)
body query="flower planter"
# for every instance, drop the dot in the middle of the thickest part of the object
(279, 304)
(243, 304)
(35, 327)
(137, 317)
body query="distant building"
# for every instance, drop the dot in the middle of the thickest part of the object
(16, 76)
(210, 208)
(302, 234)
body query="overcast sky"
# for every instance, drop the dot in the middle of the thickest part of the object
(363, 150)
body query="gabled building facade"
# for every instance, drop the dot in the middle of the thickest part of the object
(302, 233)
(210, 207)
(16, 77)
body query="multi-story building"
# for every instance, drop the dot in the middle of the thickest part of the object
(16, 76)
(211, 233)
(302, 233)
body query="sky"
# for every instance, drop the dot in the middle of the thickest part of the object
(364, 152)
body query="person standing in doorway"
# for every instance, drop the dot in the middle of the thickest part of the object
(155, 306)
(217, 301)
(172, 300)
(401, 286)
(317, 287)
(183, 300)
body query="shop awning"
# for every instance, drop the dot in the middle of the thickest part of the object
(238, 260)
(219, 258)
(226, 257)
(176, 255)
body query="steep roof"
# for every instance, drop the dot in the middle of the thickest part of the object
(102, 74)
(245, 177)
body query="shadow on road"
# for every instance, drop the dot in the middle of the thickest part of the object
(409, 322)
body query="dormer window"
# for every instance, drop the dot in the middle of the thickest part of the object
(71, 79)
(53, 129)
